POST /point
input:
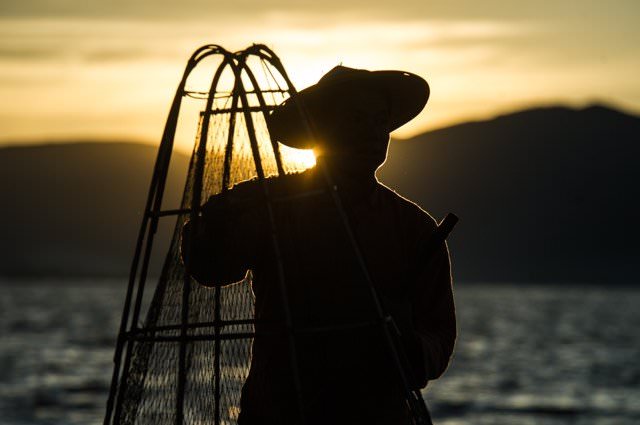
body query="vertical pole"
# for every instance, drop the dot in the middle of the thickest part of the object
(127, 302)
(156, 190)
(195, 207)
(228, 152)
(182, 372)
(186, 287)
(274, 241)
(263, 107)
(416, 403)
(217, 349)
(416, 408)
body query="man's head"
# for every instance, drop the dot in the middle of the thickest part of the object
(349, 114)
(353, 130)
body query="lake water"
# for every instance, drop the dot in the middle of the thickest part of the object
(526, 354)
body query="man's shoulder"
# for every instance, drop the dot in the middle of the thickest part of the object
(409, 210)
(276, 185)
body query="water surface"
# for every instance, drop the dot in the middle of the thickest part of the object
(526, 354)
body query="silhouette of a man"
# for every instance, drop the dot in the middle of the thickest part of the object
(344, 367)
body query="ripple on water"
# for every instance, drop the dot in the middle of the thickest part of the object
(526, 354)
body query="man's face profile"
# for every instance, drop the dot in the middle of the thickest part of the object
(356, 128)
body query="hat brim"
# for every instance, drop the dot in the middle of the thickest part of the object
(406, 93)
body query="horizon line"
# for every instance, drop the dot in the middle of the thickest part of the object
(131, 139)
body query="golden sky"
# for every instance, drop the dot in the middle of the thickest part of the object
(73, 69)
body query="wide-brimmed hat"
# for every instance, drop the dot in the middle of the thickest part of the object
(406, 94)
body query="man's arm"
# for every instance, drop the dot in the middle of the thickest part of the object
(434, 316)
(219, 246)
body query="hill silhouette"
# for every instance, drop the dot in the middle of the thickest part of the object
(544, 195)
(548, 194)
(74, 209)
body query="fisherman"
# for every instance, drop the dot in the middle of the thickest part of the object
(343, 367)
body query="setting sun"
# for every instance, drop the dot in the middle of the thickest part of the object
(297, 159)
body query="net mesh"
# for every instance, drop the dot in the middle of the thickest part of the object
(216, 358)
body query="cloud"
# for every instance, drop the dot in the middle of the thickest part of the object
(89, 73)
(56, 40)
(239, 10)
(109, 41)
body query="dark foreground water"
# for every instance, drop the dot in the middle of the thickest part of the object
(527, 354)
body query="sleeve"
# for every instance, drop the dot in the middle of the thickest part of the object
(221, 244)
(434, 318)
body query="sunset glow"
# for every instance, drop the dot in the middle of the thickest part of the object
(79, 72)
(298, 159)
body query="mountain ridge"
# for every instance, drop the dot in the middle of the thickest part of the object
(94, 192)
(531, 181)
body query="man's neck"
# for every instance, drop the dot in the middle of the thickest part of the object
(348, 174)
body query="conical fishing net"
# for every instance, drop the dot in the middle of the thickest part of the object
(187, 360)
(216, 341)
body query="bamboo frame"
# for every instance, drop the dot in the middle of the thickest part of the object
(129, 332)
